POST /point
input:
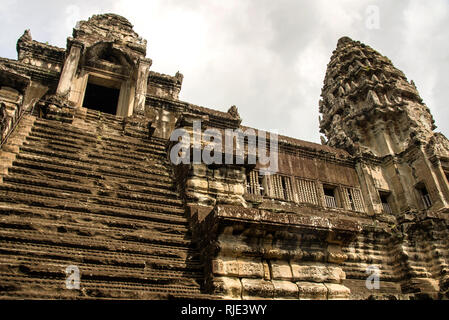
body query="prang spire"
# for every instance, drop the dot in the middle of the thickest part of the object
(368, 105)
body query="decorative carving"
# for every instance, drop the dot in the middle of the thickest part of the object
(234, 112)
(361, 87)
(438, 145)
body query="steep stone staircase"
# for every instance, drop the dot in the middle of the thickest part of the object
(86, 194)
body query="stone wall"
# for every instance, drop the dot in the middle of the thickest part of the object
(374, 195)
(251, 253)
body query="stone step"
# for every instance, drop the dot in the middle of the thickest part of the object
(70, 132)
(63, 130)
(106, 116)
(153, 247)
(104, 123)
(106, 218)
(103, 142)
(49, 237)
(116, 247)
(99, 151)
(122, 183)
(113, 198)
(67, 143)
(93, 195)
(39, 287)
(98, 154)
(88, 187)
(92, 229)
(55, 267)
(180, 260)
(85, 159)
(155, 213)
(98, 172)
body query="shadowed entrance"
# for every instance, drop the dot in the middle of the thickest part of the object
(101, 98)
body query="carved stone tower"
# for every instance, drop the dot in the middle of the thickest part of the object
(371, 110)
(368, 105)
(105, 54)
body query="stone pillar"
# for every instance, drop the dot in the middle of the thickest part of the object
(69, 70)
(143, 71)
(368, 187)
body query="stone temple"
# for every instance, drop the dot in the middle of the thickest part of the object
(92, 207)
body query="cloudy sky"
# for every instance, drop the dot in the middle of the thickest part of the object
(266, 57)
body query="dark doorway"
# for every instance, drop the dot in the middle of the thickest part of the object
(101, 98)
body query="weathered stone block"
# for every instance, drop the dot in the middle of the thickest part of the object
(285, 290)
(266, 271)
(237, 189)
(234, 248)
(222, 267)
(335, 255)
(311, 291)
(281, 270)
(257, 289)
(238, 268)
(199, 170)
(197, 183)
(335, 274)
(217, 186)
(249, 269)
(337, 291)
(229, 288)
(317, 273)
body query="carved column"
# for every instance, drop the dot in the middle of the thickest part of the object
(368, 187)
(69, 70)
(143, 71)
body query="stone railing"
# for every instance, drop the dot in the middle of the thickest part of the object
(9, 117)
(330, 201)
(427, 201)
(386, 208)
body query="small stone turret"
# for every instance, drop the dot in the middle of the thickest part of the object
(368, 105)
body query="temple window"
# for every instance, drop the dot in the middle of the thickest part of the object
(385, 200)
(287, 190)
(255, 183)
(280, 187)
(354, 200)
(307, 191)
(330, 196)
(424, 195)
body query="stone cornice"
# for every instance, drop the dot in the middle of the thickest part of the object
(264, 219)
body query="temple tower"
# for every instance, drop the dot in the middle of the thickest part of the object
(372, 111)
(105, 58)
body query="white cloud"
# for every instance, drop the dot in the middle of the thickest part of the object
(73, 16)
(267, 57)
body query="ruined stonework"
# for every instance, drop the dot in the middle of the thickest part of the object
(87, 182)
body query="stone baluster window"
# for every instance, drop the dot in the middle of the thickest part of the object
(307, 191)
(424, 195)
(330, 196)
(255, 183)
(353, 199)
(277, 187)
(287, 188)
(3, 120)
(385, 200)
(280, 187)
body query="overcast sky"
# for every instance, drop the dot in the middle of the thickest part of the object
(266, 57)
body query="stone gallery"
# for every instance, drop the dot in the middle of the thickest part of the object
(91, 206)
